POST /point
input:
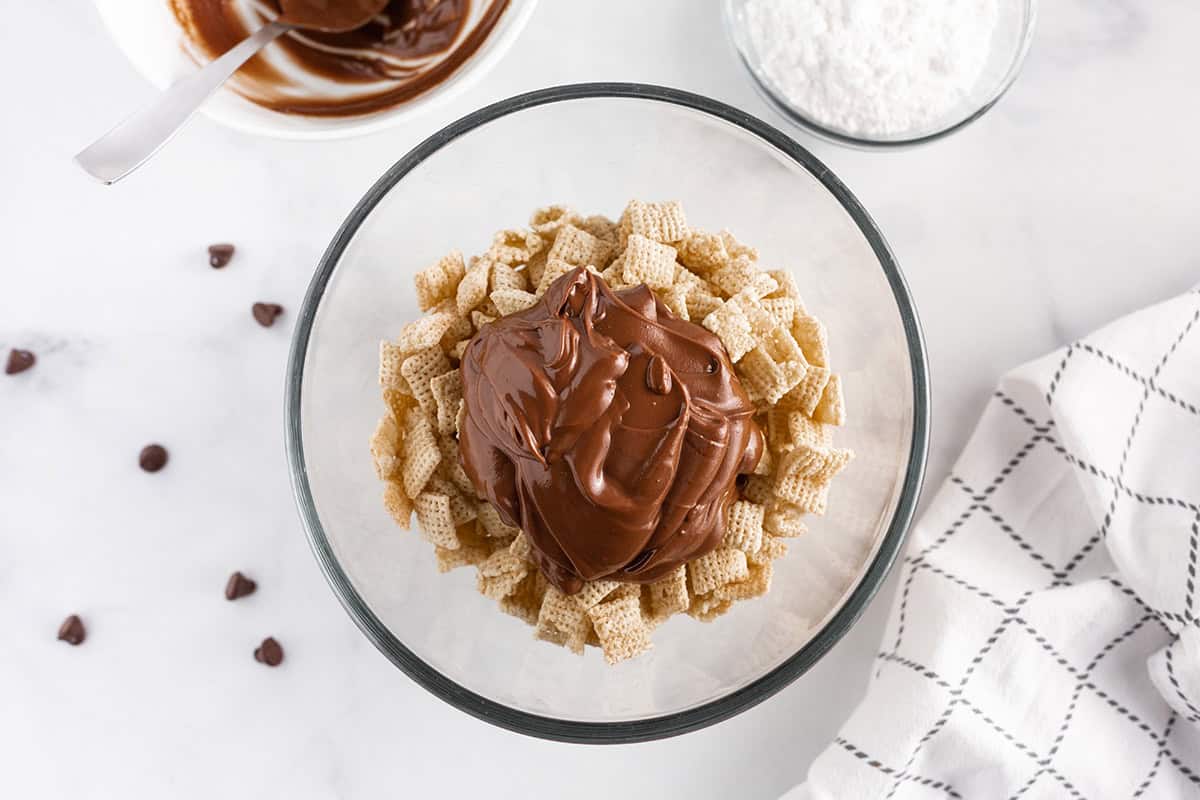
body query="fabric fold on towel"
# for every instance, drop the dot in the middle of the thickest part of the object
(1045, 639)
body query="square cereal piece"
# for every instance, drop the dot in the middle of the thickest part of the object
(479, 319)
(535, 267)
(744, 527)
(733, 329)
(466, 555)
(505, 277)
(614, 273)
(399, 403)
(703, 253)
(391, 356)
(735, 248)
(447, 392)
(500, 574)
(385, 445)
(735, 276)
(648, 262)
(619, 626)
(555, 268)
(772, 548)
(781, 309)
(462, 509)
(786, 288)
(520, 546)
(440, 281)
(810, 334)
(473, 288)
(807, 393)
(459, 330)
(668, 595)
(421, 453)
(525, 601)
(662, 222)
(762, 377)
(675, 298)
(832, 407)
(818, 464)
(561, 621)
(510, 301)
(578, 247)
(783, 520)
(514, 246)
(426, 331)
(459, 350)
(807, 495)
(758, 489)
(595, 591)
(702, 302)
(709, 607)
(715, 569)
(419, 369)
(804, 431)
(547, 221)
(448, 447)
(756, 584)
(493, 525)
(603, 229)
(437, 524)
(397, 504)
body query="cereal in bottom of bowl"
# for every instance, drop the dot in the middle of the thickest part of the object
(648, 420)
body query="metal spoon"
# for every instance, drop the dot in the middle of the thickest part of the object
(131, 144)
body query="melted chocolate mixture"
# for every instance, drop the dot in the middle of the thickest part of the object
(410, 47)
(607, 429)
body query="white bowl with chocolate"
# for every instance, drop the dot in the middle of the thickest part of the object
(413, 56)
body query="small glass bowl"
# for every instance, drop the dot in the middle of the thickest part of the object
(1009, 48)
(594, 146)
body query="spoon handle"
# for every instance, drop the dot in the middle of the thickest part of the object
(129, 145)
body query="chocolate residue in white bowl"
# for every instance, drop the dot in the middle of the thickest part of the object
(408, 49)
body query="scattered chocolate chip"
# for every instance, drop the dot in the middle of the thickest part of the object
(72, 631)
(269, 653)
(658, 375)
(19, 361)
(266, 313)
(713, 365)
(219, 255)
(239, 585)
(153, 457)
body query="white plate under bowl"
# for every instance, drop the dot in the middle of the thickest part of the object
(152, 39)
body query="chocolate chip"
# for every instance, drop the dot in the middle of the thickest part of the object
(266, 313)
(239, 585)
(72, 631)
(658, 375)
(219, 255)
(269, 653)
(713, 365)
(153, 457)
(19, 361)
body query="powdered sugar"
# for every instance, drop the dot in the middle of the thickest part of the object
(873, 67)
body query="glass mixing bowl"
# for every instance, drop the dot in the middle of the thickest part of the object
(1009, 46)
(595, 146)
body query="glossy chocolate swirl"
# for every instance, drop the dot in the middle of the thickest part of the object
(607, 429)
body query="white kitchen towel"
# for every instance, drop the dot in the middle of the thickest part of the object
(1045, 640)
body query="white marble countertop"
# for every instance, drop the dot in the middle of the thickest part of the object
(1072, 202)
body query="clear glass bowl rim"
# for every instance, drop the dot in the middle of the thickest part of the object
(650, 728)
(799, 119)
